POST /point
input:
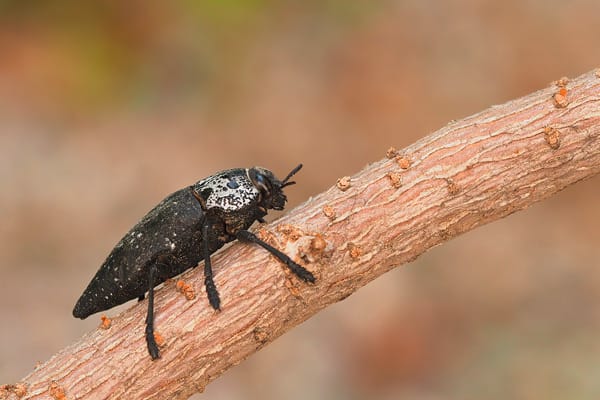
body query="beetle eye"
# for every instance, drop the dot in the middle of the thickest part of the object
(262, 183)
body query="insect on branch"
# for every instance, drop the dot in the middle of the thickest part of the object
(470, 172)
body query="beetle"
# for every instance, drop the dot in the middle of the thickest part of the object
(186, 227)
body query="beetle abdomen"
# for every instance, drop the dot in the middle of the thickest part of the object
(169, 236)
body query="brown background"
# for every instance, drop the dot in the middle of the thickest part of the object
(106, 108)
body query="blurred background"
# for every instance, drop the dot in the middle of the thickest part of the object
(107, 106)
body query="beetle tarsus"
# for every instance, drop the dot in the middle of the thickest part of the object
(298, 270)
(150, 340)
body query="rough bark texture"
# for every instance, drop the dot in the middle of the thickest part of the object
(469, 173)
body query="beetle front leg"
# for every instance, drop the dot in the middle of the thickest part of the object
(211, 289)
(150, 340)
(298, 270)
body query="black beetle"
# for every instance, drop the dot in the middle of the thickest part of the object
(183, 229)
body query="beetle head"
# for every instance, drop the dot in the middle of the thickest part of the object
(271, 188)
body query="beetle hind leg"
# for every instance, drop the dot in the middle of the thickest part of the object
(150, 340)
(298, 270)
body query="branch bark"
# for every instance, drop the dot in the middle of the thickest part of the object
(468, 173)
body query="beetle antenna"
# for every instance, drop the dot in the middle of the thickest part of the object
(285, 182)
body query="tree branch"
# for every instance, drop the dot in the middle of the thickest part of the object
(469, 173)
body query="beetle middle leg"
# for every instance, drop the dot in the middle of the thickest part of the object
(211, 289)
(298, 270)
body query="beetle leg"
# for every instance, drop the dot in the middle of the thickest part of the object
(211, 289)
(298, 270)
(150, 340)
